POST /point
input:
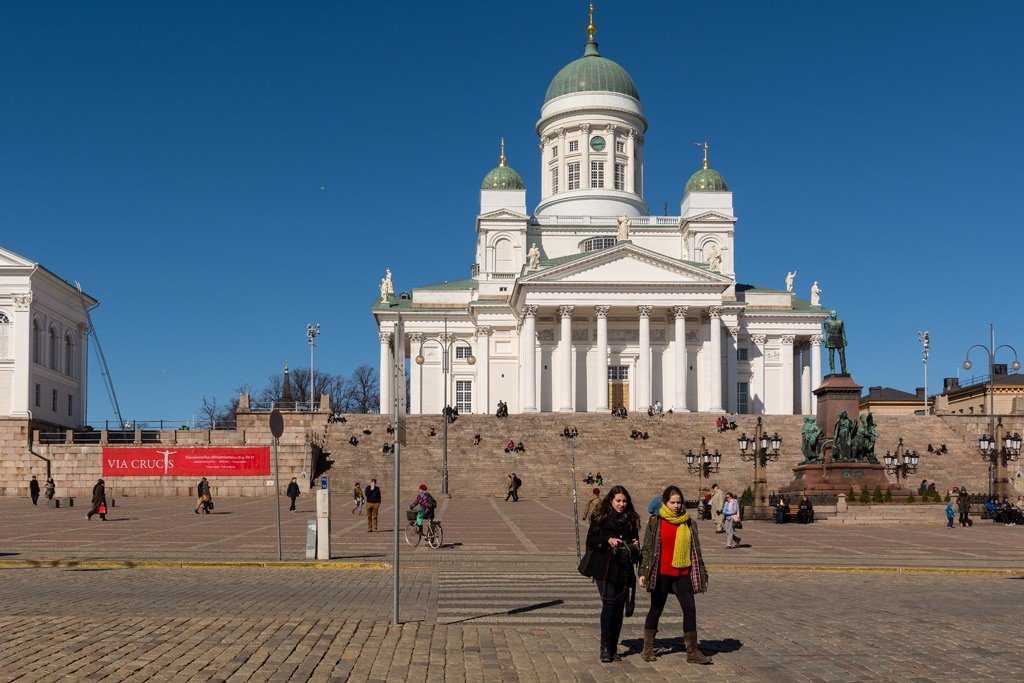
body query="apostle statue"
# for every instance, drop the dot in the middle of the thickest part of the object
(790, 277)
(834, 333)
(842, 438)
(815, 294)
(533, 257)
(810, 435)
(622, 230)
(714, 258)
(387, 287)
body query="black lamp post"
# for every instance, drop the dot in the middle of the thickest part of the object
(902, 462)
(761, 449)
(999, 451)
(704, 463)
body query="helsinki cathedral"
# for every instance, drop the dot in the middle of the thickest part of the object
(590, 301)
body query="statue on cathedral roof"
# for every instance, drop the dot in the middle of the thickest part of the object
(622, 229)
(714, 256)
(815, 294)
(387, 287)
(533, 257)
(790, 278)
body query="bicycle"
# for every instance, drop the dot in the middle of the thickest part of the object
(432, 532)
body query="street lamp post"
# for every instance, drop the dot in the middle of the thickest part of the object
(926, 344)
(446, 343)
(761, 449)
(704, 463)
(902, 462)
(312, 332)
(999, 448)
(997, 457)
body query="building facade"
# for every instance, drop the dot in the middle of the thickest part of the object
(44, 345)
(590, 302)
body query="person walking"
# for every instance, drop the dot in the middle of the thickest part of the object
(293, 493)
(50, 490)
(963, 505)
(950, 513)
(204, 500)
(717, 503)
(514, 482)
(99, 501)
(671, 564)
(732, 515)
(372, 495)
(592, 504)
(612, 541)
(33, 490)
(358, 498)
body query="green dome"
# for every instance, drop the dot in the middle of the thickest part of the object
(591, 73)
(503, 176)
(706, 180)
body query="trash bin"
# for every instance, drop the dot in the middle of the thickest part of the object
(311, 539)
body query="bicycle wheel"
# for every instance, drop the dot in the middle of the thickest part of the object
(436, 537)
(411, 536)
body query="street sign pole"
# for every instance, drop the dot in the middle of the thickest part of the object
(277, 429)
(397, 380)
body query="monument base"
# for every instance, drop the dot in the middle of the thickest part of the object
(839, 477)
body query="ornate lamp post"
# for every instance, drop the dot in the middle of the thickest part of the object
(447, 343)
(901, 463)
(704, 463)
(998, 484)
(999, 450)
(926, 345)
(312, 332)
(761, 449)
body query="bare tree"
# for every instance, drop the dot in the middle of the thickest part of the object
(362, 391)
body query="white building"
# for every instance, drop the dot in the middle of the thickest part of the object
(592, 302)
(44, 345)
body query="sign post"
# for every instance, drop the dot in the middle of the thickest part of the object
(397, 380)
(323, 520)
(277, 429)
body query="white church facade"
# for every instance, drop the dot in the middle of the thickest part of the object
(590, 302)
(44, 345)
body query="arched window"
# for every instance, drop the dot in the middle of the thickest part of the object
(53, 348)
(5, 334)
(37, 343)
(597, 243)
(69, 355)
(503, 256)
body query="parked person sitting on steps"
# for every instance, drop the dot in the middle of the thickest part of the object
(476, 439)
(589, 479)
(510, 446)
(598, 479)
(805, 513)
(520, 447)
(353, 440)
(781, 508)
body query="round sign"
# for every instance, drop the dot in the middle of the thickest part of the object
(276, 423)
(597, 143)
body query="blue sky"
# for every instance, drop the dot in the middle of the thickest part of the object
(171, 158)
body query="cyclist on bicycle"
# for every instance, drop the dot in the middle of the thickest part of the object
(425, 504)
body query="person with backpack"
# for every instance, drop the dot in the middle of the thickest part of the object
(425, 505)
(514, 482)
(293, 493)
(99, 501)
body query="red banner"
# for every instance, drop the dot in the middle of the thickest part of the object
(207, 461)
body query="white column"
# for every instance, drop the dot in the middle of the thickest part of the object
(563, 177)
(679, 358)
(565, 360)
(731, 342)
(585, 144)
(609, 170)
(601, 404)
(757, 373)
(528, 344)
(643, 363)
(630, 161)
(815, 370)
(20, 349)
(715, 316)
(787, 376)
(805, 379)
(416, 379)
(385, 373)
(482, 400)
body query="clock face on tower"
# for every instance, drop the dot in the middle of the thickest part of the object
(597, 143)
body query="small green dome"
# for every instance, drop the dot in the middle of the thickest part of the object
(589, 73)
(706, 180)
(502, 176)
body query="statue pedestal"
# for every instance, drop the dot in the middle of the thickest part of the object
(838, 477)
(836, 394)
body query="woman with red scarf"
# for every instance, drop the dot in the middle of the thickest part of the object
(671, 564)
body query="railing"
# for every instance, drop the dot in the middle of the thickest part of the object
(606, 220)
(654, 220)
(474, 270)
(504, 276)
(287, 406)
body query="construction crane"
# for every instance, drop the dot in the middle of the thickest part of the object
(104, 368)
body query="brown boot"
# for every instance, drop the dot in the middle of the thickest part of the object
(648, 652)
(693, 653)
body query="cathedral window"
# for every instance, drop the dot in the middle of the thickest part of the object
(37, 344)
(742, 397)
(70, 405)
(741, 353)
(37, 394)
(5, 335)
(53, 349)
(69, 356)
(574, 145)
(597, 243)
(597, 174)
(463, 352)
(53, 400)
(620, 176)
(574, 175)
(554, 180)
(464, 395)
(620, 146)
(554, 151)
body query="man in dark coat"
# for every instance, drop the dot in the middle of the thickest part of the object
(99, 501)
(372, 495)
(963, 504)
(204, 498)
(293, 493)
(33, 490)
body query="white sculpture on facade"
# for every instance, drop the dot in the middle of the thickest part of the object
(815, 294)
(533, 257)
(790, 277)
(622, 231)
(387, 287)
(714, 258)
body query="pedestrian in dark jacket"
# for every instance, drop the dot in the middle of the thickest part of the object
(612, 543)
(372, 495)
(33, 490)
(963, 505)
(293, 493)
(99, 501)
(671, 564)
(204, 500)
(51, 488)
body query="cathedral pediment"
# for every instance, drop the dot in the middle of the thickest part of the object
(503, 214)
(709, 217)
(8, 259)
(625, 263)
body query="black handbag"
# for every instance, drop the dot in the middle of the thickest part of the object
(630, 598)
(584, 567)
(737, 525)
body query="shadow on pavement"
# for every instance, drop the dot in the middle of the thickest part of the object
(93, 569)
(515, 610)
(449, 546)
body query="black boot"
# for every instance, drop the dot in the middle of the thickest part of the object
(606, 654)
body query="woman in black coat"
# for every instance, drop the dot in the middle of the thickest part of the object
(613, 542)
(99, 501)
